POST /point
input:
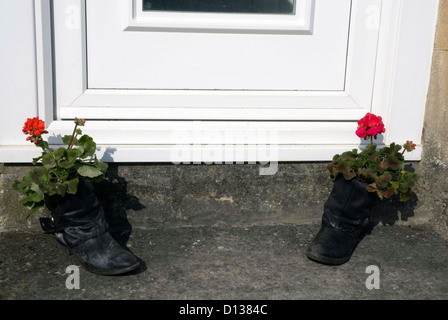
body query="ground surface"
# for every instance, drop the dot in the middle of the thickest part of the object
(232, 263)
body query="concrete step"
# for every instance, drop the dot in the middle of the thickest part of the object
(233, 263)
(150, 195)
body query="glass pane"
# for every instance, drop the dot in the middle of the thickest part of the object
(222, 6)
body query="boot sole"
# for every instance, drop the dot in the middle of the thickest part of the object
(108, 272)
(105, 272)
(325, 260)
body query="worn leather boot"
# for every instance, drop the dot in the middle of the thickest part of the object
(346, 214)
(79, 224)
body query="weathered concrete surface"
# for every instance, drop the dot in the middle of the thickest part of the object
(236, 263)
(203, 195)
(195, 194)
(12, 214)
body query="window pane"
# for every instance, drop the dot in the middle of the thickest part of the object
(222, 6)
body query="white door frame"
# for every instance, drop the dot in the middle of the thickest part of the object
(312, 132)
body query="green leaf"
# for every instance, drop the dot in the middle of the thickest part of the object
(391, 162)
(67, 138)
(66, 163)
(60, 153)
(388, 193)
(48, 161)
(96, 179)
(30, 199)
(35, 207)
(61, 189)
(371, 148)
(73, 154)
(70, 157)
(346, 171)
(52, 189)
(42, 144)
(350, 174)
(100, 165)
(40, 176)
(35, 160)
(35, 187)
(89, 171)
(383, 181)
(72, 185)
(22, 185)
(89, 146)
(81, 151)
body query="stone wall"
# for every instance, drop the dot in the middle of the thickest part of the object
(434, 165)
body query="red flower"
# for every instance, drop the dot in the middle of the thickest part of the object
(361, 132)
(370, 126)
(35, 128)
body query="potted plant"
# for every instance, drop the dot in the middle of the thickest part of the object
(63, 181)
(360, 179)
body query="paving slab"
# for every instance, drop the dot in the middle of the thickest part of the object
(233, 263)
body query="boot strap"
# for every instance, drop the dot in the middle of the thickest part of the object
(342, 223)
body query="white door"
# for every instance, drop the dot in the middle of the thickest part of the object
(149, 60)
(190, 44)
(146, 72)
(163, 73)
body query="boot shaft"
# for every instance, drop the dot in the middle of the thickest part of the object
(79, 217)
(349, 205)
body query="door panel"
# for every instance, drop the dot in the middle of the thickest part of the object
(210, 60)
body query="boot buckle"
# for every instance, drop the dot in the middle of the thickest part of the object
(47, 225)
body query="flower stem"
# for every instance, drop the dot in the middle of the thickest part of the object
(70, 145)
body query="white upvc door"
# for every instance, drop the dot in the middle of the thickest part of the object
(156, 78)
(227, 51)
(316, 63)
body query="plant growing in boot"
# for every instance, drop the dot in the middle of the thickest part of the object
(61, 169)
(360, 180)
(63, 182)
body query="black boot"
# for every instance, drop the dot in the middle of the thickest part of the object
(346, 214)
(79, 224)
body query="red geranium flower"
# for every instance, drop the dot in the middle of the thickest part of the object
(34, 127)
(370, 126)
(362, 133)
